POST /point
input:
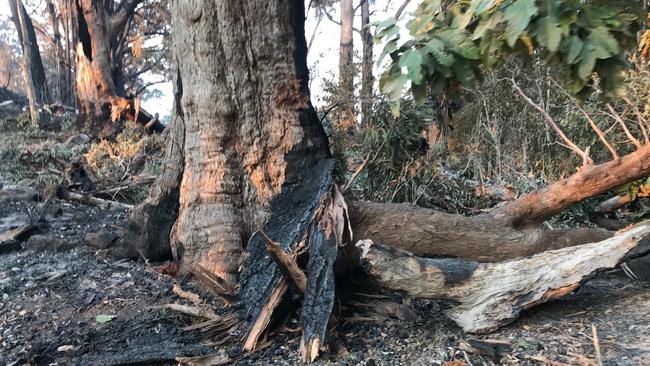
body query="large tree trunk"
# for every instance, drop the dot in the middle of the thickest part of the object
(32, 65)
(246, 127)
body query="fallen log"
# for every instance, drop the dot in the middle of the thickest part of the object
(486, 296)
(483, 238)
(65, 194)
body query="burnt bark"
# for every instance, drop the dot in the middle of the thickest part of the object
(62, 93)
(98, 60)
(248, 127)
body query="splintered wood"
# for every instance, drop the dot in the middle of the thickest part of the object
(318, 218)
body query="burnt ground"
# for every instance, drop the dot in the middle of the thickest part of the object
(52, 291)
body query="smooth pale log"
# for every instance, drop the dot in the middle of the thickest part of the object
(486, 296)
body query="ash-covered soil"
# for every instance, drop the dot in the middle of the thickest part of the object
(57, 293)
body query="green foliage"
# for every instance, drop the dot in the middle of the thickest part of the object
(453, 46)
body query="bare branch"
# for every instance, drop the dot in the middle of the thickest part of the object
(640, 119)
(618, 119)
(331, 18)
(593, 124)
(123, 12)
(401, 8)
(549, 120)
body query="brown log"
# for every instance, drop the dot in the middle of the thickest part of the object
(485, 296)
(430, 233)
(589, 181)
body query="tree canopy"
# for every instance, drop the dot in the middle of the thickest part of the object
(451, 45)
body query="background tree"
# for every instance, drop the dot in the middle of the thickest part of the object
(32, 66)
(10, 72)
(367, 63)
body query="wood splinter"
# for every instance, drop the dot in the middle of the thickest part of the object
(286, 262)
(264, 318)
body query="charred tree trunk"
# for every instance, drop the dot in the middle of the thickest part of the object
(346, 66)
(367, 62)
(245, 124)
(32, 65)
(96, 63)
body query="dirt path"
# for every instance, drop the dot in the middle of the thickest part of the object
(52, 292)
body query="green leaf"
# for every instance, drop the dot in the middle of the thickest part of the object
(103, 318)
(462, 20)
(485, 25)
(480, 6)
(392, 83)
(389, 48)
(458, 41)
(573, 47)
(388, 32)
(549, 33)
(587, 63)
(385, 23)
(464, 73)
(412, 60)
(518, 16)
(437, 49)
(601, 38)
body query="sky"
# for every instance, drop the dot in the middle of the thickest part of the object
(322, 58)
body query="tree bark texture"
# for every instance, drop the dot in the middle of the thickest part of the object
(248, 127)
(62, 92)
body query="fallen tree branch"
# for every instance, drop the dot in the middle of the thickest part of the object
(486, 296)
(65, 194)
